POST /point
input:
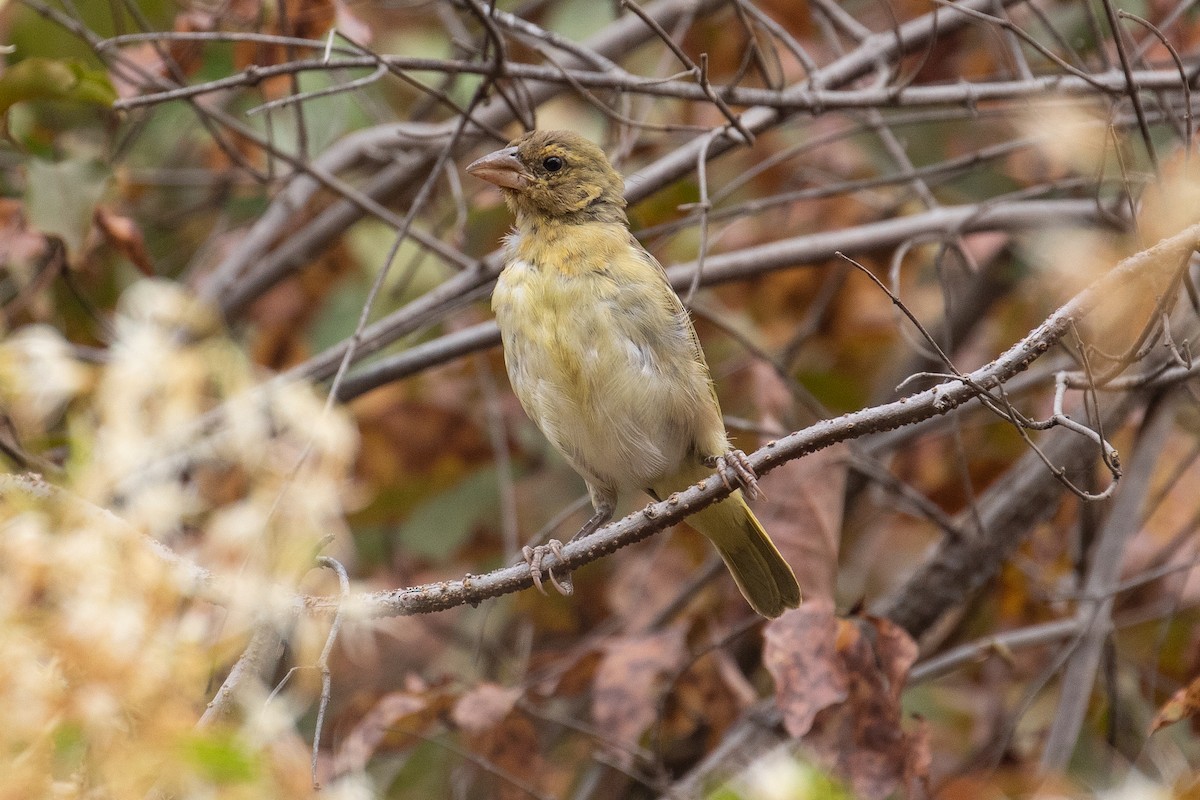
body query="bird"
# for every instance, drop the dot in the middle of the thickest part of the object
(605, 360)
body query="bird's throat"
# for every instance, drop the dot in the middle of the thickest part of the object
(566, 248)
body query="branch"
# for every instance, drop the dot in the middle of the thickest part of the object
(793, 99)
(924, 405)
(1095, 615)
(1006, 513)
(258, 660)
(257, 267)
(811, 249)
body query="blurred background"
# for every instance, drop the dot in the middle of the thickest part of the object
(244, 285)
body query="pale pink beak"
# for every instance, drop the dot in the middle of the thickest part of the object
(502, 168)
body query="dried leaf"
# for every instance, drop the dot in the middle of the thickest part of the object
(803, 513)
(350, 24)
(288, 316)
(706, 700)
(17, 241)
(862, 739)
(503, 737)
(838, 683)
(305, 19)
(629, 682)
(800, 653)
(147, 60)
(124, 235)
(389, 723)
(894, 651)
(31, 261)
(919, 761)
(648, 579)
(484, 707)
(1184, 703)
(573, 674)
(188, 56)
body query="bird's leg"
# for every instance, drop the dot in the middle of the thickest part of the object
(735, 462)
(534, 555)
(602, 514)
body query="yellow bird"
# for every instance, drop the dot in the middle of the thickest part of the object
(604, 358)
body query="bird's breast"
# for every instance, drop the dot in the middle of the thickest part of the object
(606, 369)
(557, 330)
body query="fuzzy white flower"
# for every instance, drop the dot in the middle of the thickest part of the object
(39, 376)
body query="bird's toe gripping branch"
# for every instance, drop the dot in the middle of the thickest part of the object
(535, 555)
(736, 465)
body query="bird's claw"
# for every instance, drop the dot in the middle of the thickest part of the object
(735, 462)
(534, 556)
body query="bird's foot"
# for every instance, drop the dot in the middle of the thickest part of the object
(735, 464)
(534, 556)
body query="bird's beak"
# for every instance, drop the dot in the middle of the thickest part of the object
(502, 168)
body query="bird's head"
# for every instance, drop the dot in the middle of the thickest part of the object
(555, 174)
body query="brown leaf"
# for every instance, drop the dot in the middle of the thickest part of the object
(389, 723)
(149, 59)
(32, 261)
(803, 514)
(484, 707)
(895, 652)
(306, 19)
(706, 700)
(838, 684)
(283, 315)
(350, 24)
(502, 736)
(647, 579)
(572, 675)
(801, 654)
(862, 739)
(146, 59)
(18, 242)
(188, 56)
(629, 682)
(1184, 703)
(920, 760)
(124, 235)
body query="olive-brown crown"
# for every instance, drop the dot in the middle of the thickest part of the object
(565, 176)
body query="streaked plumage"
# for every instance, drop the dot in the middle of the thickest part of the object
(603, 356)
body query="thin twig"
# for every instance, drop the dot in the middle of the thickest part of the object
(1106, 559)
(1118, 39)
(323, 662)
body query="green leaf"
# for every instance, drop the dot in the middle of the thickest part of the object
(61, 198)
(70, 744)
(221, 759)
(38, 78)
(370, 242)
(437, 527)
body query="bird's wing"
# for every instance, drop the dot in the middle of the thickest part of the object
(711, 436)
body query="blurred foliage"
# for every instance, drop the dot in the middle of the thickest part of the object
(185, 493)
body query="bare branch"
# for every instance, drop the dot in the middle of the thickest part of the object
(932, 402)
(1102, 580)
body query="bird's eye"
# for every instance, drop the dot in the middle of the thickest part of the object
(553, 164)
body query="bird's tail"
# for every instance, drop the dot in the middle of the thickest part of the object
(764, 578)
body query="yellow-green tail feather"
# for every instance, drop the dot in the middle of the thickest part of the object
(762, 575)
(765, 579)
